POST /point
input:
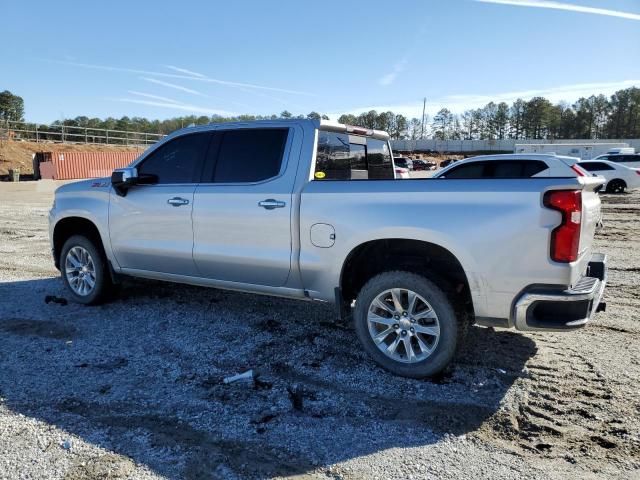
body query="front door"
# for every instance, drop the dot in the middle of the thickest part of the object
(151, 227)
(242, 210)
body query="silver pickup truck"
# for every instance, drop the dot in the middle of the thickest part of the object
(311, 210)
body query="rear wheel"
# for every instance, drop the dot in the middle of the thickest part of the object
(616, 186)
(84, 271)
(406, 323)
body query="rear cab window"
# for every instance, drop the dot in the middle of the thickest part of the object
(343, 156)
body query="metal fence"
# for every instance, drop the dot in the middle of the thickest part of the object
(10, 130)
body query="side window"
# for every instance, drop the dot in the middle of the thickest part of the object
(470, 170)
(340, 156)
(595, 166)
(516, 169)
(498, 169)
(177, 161)
(615, 158)
(589, 166)
(631, 158)
(249, 155)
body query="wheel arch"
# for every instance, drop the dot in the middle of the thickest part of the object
(66, 227)
(431, 260)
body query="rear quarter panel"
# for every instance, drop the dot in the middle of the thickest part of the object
(497, 229)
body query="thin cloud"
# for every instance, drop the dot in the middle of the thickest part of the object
(460, 103)
(176, 106)
(402, 64)
(200, 94)
(398, 68)
(286, 103)
(154, 97)
(185, 71)
(174, 86)
(186, 77)
(570, 7)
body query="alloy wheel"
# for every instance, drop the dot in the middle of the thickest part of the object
(403, 325)
(80, 271)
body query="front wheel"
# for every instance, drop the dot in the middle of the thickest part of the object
(84, 271)
(406, 323)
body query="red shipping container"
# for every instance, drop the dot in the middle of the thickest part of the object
(76, 165)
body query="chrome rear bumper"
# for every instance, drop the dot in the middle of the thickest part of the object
(557, 310)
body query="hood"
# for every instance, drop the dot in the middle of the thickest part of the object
(91, 183)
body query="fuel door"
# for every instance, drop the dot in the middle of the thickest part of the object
(323, 235)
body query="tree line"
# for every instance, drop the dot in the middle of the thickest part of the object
(588, 118)
(595, 117)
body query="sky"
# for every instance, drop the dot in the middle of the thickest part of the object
(164, 59)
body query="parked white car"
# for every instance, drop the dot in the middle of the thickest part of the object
(402, 173)
(618, 176)
(622, 151)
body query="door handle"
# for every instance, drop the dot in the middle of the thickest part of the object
(270, 204)
(177, 201)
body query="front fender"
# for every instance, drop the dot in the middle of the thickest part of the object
(88, 200)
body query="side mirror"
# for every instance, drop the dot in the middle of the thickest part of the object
(124, 178)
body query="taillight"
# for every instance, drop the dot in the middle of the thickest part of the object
(638, 171)
(565, 238)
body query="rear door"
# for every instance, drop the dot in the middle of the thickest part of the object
(242, 209)
(151, 228)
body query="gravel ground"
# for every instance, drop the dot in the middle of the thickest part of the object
(133, 389)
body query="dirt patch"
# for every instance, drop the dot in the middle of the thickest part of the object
(102, 467)
(38, 328)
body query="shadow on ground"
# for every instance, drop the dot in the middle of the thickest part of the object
(142, 377)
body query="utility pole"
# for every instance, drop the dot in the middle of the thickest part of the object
(424, 105)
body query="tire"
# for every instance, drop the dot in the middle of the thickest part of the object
(96, 271)
(616, 186)
(442, 347)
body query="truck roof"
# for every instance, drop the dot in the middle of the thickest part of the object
(326, 125)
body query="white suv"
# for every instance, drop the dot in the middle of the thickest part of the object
(517, 165)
